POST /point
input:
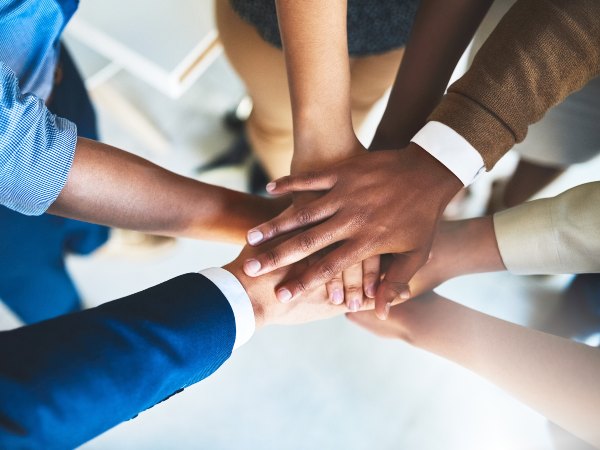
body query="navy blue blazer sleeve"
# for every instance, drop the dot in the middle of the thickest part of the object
(66, 380)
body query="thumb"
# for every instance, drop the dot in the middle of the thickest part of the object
(394, 286)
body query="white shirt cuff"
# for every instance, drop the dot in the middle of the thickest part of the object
(452, 150)
(240, 303)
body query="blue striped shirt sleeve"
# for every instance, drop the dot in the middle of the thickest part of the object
(36, 149)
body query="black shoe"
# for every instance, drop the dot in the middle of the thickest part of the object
(257, 179)
(235, 119)
(232, 122)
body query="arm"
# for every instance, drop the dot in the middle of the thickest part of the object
(66, 380)
(44, 166)
(112, 187)
(555, 376)
(440, 34)
(545, 236)
(549, 49)
(315, 44)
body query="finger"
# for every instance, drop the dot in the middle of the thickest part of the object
(313, 181)
(335, 290)
(353, 290)
(371, 270)
(394, 287)
(294, 250)
(292, 219)
(322, 271)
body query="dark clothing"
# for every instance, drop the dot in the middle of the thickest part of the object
(34, 282)
(66, 380)
(373, 26)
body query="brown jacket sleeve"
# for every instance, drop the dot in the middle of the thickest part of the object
(540, 52)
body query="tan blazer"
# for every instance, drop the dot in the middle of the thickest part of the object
(552, 235)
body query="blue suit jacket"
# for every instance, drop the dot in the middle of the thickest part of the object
(68, 379)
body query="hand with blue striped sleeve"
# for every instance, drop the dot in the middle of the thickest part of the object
(44, 166)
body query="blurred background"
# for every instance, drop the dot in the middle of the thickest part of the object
(162, 89)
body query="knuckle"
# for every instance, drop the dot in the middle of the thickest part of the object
(273, 258)
(369, 274)
(304, 216)
(302, 285)
(306, 179)
(327, 270)
(360, 219)
(327, 236)
(381, 229)
(272, 229)
(353, 288)
(307, 242)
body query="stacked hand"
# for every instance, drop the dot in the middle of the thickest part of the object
(387, 202)
(358, 280)
(267, 310)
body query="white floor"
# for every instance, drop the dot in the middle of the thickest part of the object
(326, 385)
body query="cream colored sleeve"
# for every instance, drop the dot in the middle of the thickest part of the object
(554, 235)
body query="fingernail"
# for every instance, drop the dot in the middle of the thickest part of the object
(271, 186)
(354, 305)
(370, 291)
(284, 295)
(404, 295)
(337, 298)
(254, 237)
(251, 267)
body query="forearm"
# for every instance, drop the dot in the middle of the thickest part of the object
(461, 247)
(546, 236)
(555, 376)
(441, 33)
(316, 54)
(548, 48)
(112, 187)
(474, 246)
(63, 382)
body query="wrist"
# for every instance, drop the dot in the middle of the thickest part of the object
(408, 320)
(426, 318)
(480, 251)
(434, 175)
(255, 298)
(318, 147)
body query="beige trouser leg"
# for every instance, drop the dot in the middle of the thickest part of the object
(262, 68)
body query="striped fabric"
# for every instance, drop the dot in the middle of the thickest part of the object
(30, 33)
(36, 147)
